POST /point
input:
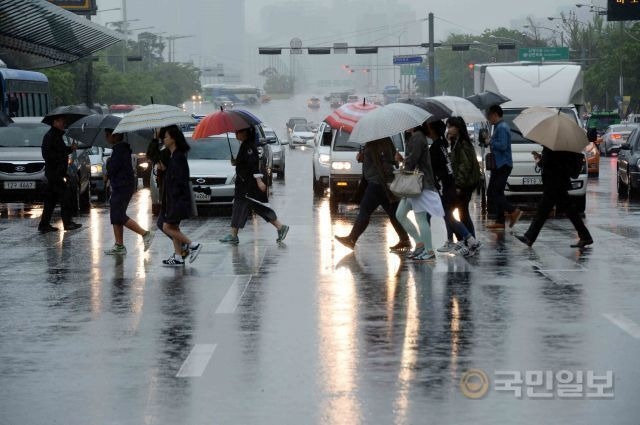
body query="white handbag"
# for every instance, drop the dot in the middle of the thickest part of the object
(407, 184)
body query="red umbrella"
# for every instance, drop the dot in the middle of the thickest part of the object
(346, 116)
(219, 123)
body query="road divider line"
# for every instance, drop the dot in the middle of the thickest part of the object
(624, 323)
(197, 361)
(234, 295)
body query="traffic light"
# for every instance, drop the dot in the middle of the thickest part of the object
(471, 66)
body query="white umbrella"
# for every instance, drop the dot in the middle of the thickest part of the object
(461, 107)
(553, 129)
(153, 116)
(388, 121)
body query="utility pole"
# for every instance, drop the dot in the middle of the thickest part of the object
(432, 58)
(125, 27)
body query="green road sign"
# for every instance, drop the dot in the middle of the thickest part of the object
(408, 69)
(543, 54)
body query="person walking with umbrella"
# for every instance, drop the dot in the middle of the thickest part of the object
(56, 159)
(122, 181)
(250, 189)
(561, 160)
(501, 150)
(176, 199)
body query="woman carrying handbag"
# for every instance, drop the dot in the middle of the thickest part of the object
(427, 202)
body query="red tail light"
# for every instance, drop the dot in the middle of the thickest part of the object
(616, 136)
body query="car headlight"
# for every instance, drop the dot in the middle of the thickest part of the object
(324, 159)
(144, 165)
(341, 165)
(96, 169)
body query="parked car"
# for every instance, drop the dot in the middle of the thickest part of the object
(278, 152)
(628, 169)
(313, 103)
(615, 136)
(592, 153)
(301, 135)
(98, 170)
(321, 159)
(22, 165)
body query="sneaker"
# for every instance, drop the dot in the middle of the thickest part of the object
(462, 249)
(582, 243)
(194, 251)
(147, 238)
(473, 243)
(426, 256)
(447, 247)
(415, 253)
(230, 239)
(514, 217)
(282, 233)
(401, 246)
(173, 261)
(346, 241)
(72, 226)
(116, 250)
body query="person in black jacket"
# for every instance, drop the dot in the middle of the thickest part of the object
(176, 197)
(56, 159)
(250, 191)
(122, 182)
(556, 182)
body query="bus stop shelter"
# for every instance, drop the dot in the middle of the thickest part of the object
(37, 34)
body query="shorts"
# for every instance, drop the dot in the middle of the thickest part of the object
(118, 205)
(243, 206)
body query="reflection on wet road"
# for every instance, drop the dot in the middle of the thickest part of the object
(307, 331)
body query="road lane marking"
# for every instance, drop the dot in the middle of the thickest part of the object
(197, 361)
(624, 323)
(234, 295)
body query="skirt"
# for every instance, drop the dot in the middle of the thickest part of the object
(429, 201)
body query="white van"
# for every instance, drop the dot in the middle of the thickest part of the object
(527, 84)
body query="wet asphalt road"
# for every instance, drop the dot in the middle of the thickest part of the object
(307, 332)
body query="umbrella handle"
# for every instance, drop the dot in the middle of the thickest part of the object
(229, 143)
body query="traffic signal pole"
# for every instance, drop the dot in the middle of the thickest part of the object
(432, 58)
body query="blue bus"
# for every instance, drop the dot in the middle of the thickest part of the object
(24, 93)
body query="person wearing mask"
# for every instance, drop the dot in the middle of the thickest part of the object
(466, 171)
(176, 197)
(501, 150)
(423, 206)
(56, 160)
(443, 172)
(122, 182)
(378, 162)
(250, 190)
(556, 169)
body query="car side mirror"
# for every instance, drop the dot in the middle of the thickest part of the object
(625, 147)
(483, 137)
(262, 141)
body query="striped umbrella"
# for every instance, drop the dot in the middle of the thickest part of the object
(153, 116)
(346, 116)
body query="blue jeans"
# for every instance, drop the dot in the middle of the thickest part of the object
(495, 192)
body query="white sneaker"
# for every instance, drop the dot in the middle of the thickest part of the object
(447, 247)
(461, 249)
(194, 251)
(147, 239)
(173, 261)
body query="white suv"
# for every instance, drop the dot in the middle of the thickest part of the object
(321, 158)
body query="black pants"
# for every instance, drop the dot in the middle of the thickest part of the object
(242, 207)
(558, 197)
(462, 202)
(495, 192)
(57, 192)
(375, 196)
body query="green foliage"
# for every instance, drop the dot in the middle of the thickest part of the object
(168, 83)
(277, 83)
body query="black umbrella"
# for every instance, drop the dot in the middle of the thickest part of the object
(72, 113)
(486, 99)
(435, 108)
(90, 131)
(5, 120)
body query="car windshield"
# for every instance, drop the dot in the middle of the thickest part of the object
(302, 128)
(621, 128)
(516, 137)
(213, 148)
(21, 135)
(271, 137)
(342, 143)
(297, 121)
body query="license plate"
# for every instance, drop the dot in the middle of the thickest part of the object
(530, 181)
(19, 185)
(201, 196)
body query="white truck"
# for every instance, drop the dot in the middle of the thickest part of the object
(527, 84)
